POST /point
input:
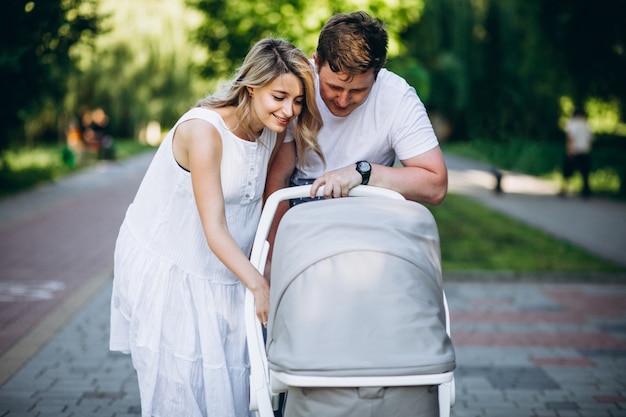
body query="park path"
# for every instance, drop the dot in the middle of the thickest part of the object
(527, 344)
(56, 245)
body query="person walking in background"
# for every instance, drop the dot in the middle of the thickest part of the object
(99, 128)
(95, 134)
(181, 264)
(577, 151)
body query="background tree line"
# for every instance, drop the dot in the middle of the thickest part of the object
(502, 68)
(491, 69)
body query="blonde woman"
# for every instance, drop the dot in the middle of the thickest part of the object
(181, 258)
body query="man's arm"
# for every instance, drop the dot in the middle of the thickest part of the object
(281, 168)
(278, 178)
(423, 178)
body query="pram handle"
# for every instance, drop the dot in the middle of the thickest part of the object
(305, 191)
(259, 249)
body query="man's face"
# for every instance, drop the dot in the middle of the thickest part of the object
(342, 93)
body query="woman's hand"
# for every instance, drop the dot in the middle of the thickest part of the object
(261, 294)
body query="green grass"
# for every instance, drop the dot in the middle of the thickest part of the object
(24, 169)
(476, 238)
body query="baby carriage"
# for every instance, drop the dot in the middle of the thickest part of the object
(356, 300)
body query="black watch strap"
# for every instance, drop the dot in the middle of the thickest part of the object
(365, 169)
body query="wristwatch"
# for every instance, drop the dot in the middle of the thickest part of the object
(365, 169)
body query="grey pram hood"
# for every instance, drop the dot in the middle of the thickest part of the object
(356, 290)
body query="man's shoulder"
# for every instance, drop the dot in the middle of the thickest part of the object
(390, 78)
(391, 85)
(393, 91)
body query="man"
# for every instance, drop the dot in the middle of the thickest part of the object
(579, 139)
(371, 116)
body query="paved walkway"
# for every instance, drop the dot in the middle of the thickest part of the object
(529, 346)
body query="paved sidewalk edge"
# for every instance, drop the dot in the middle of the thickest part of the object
(33, 341)
(557, 277)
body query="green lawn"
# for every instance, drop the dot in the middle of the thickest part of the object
(476, 238)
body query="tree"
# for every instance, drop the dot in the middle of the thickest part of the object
(231, 27)
(35, 40)
(442, 42)
(499, 68)
(492, 73)
(141, 69)
(590, 39)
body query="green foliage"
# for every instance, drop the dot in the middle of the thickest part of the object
(35, 40)
(142, 69)
(495, 69)
(475, 238)
(231, 27)
(500, 67)
(24, 169)
(589, 37)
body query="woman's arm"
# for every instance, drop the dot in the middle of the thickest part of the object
(203, 146)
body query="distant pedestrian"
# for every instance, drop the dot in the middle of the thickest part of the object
(577, 151)
(181, 258)
(104, 141)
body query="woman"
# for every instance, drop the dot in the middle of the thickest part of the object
(181, 258)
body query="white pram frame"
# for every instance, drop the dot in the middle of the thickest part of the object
(266, 384)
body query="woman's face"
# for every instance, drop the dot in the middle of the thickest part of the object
(276, 104)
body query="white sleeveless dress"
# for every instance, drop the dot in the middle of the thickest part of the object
(175, 307)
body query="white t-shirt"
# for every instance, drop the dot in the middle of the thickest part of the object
(581, 135)
(391, 122)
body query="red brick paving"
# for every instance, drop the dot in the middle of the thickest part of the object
(67, 243)
(610, 398)
(573, 340)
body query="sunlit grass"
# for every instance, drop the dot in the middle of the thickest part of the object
(20, 160)
(26, 168)
(602, 181)
(476, 238)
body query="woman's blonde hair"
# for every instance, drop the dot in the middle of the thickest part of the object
(268, 59)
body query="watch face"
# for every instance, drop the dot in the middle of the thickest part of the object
(364, 166)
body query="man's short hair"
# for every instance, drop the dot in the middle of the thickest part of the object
(353, 43)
